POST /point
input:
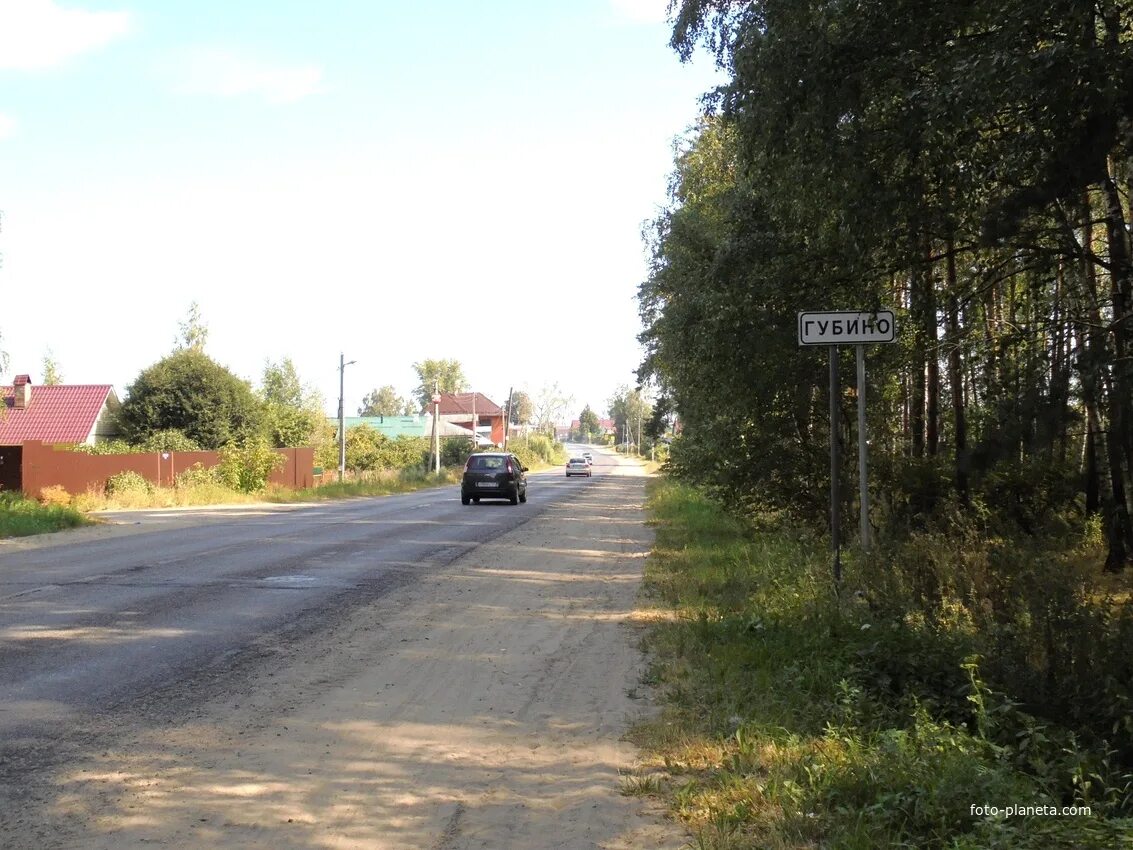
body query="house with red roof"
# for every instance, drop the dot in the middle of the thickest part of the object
(473, 412)
(50, 415)
(607, 428)
(59, 413)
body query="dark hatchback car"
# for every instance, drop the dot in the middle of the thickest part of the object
(494, 475)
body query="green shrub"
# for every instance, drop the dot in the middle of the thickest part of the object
(198, 475)
(247, 464)
(536, 450)
(367, 450)
(104, 447)
(455, 451)
(168, 440)
(404, 452)
(128, 483)
(20, 517)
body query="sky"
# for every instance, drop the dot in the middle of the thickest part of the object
(383, 180)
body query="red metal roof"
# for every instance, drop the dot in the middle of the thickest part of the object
(63, 413)
(607, 424)
(462, 403)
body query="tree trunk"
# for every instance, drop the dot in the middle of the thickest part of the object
(955, 377)
(1092, 475)
(1119, 445)
(917, 305)
(1121, 282)
(932, 360)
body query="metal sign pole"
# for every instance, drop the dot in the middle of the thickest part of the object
(858, 328)
(863, 452)
(835, 517)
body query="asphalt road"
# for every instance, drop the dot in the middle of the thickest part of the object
(170, 613)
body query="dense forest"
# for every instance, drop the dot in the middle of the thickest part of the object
(970, 167)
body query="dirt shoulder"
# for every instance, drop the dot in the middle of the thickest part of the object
(481, 707)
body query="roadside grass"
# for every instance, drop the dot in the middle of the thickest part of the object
(378, 483)
(196, 495)
(20, 517)
(776, 731)
(60, 508)
(212, 493)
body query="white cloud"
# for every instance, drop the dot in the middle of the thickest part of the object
(37, 34)
(7, 126)
(223, 72)
(642, 11)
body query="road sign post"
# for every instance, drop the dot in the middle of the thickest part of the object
(835, 463)
(857, 328)
(863, 459)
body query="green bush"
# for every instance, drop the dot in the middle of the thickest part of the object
(246, 465)
(198, 475)
(404, 452)
(455, 451)
(367, 449)
(104, 447)
(128, 483)
(168, 440)
(20, 517)
(537, 450)
(189, 391)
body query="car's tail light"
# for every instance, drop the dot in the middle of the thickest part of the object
(509, 470)
(468, 464)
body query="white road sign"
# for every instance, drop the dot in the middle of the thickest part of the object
(846, 327)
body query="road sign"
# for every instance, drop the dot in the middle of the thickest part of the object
(832, 329)
(847, 327)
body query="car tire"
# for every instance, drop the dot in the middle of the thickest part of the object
(514, 497)
(465, 500)
(523, 497)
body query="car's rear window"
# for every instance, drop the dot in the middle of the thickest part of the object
(577, 460)
(486, 462)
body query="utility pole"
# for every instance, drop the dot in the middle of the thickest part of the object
(507, 416)
(342, 364)
(436, 429)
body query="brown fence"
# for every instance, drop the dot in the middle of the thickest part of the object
(44, 465)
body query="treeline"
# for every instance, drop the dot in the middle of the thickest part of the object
(969, 165)
(368, 451)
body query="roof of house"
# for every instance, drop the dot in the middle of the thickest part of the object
(401, 426)
(60, 413)
(391, 426)
(608, 424)
(463, 403)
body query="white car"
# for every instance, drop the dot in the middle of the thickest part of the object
(588, 457)
(578, 466)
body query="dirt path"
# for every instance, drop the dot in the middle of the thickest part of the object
(478, 708)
